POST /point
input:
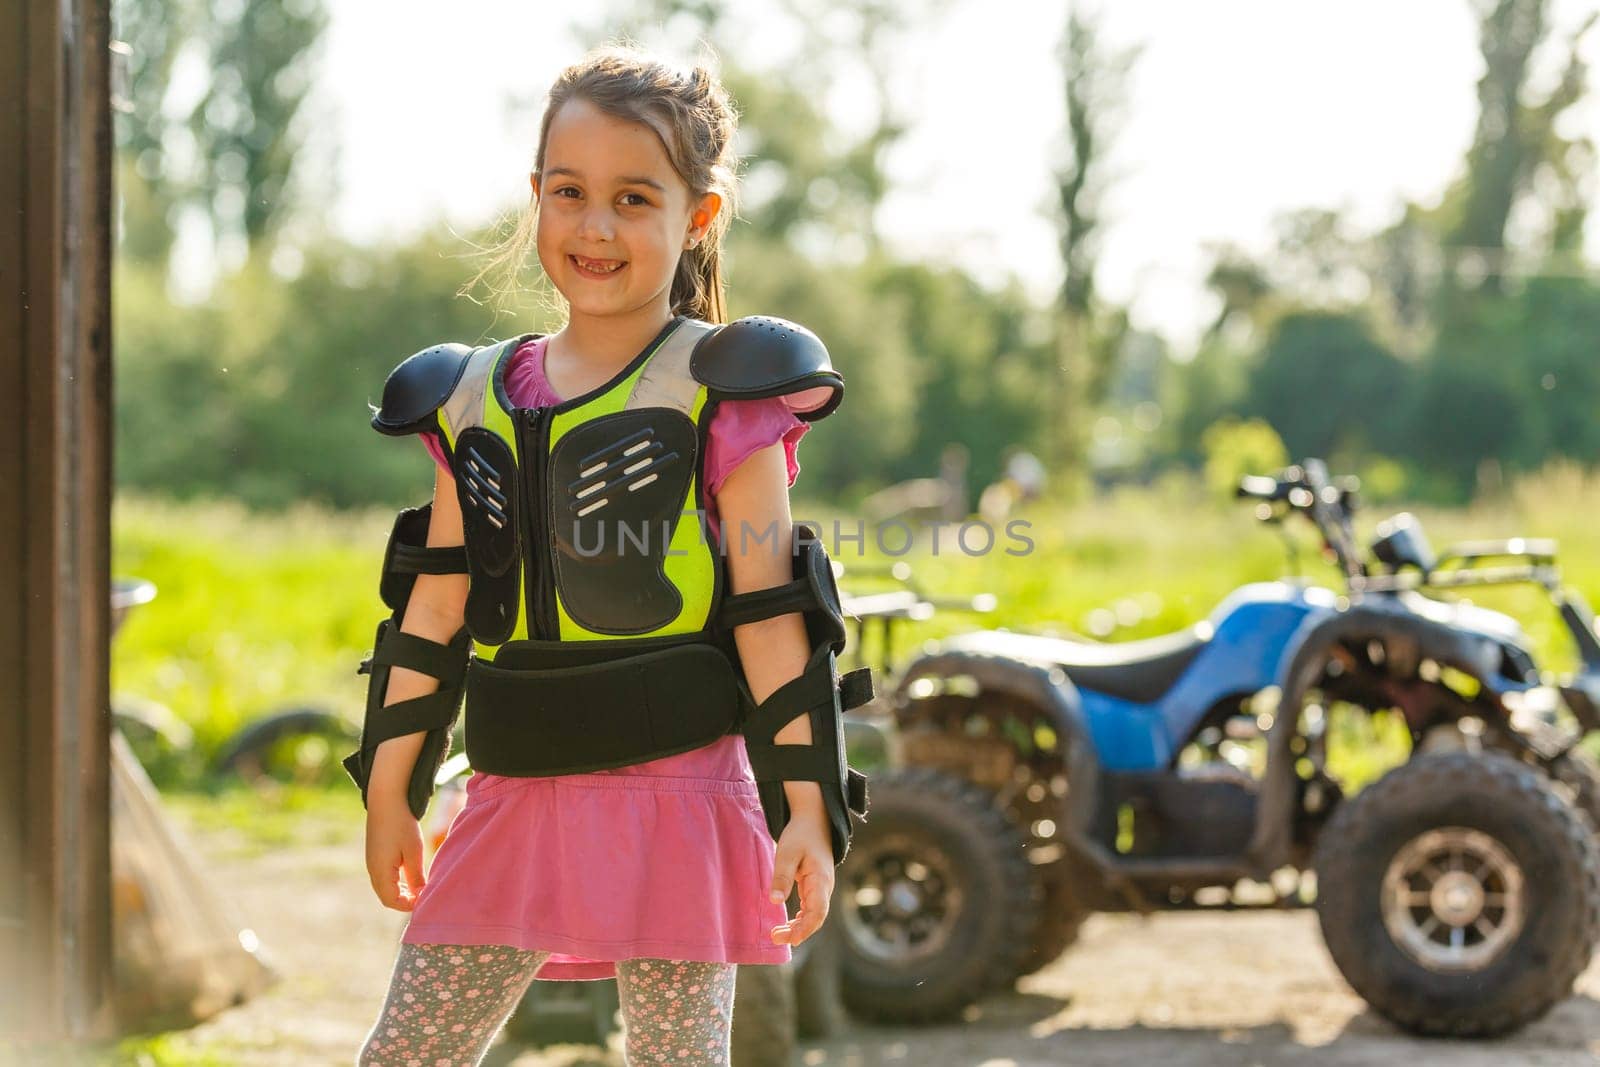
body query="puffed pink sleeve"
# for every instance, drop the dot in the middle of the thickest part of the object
(435, 447)
(739, 428)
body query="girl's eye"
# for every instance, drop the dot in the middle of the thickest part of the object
(637, 197)
(567, 189)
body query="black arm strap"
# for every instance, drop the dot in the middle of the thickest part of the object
(435, 711)
(400, 649)
(812, 688)
(822, 698)
(408, 559)
(766, 603)
(771, 761)
(433, 714)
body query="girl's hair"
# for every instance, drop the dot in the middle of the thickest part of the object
(693, 116)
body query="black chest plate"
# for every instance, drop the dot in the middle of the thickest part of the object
(589, 528)
(618, 488)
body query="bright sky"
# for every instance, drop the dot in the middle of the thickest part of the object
(1239, 110)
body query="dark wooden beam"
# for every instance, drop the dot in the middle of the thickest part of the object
(55, 471)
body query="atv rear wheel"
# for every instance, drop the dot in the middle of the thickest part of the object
(1459, 894)
(763, 1032)
(935, 901)
(819, 1010)
(1061, 916)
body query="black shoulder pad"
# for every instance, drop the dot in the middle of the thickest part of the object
(416, 388)
(764, 356)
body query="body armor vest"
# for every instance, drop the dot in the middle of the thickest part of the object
(596, 601)
(583, 519)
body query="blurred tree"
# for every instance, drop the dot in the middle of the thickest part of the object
(261, 394)
(1328, 387)
(230, 155)
(976, 371)
(1517, 146)
(154, 31)
(1513, 383)
(1094, 79)
(260, 61)
(1206, 389)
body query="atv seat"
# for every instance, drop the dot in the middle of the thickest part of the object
(1138, 671)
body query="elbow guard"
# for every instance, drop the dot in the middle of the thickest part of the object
(407, 556)
(818, 692)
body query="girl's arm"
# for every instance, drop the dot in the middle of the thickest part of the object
(755, 498)
(436, 611)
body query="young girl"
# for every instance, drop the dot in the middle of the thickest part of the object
(660, 873)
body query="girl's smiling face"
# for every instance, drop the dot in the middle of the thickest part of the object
(614, 216)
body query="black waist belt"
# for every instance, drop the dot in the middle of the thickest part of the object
(543, 708)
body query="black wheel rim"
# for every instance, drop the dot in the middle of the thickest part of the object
(900, 899)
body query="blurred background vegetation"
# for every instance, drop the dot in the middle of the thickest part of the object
(1449, 358)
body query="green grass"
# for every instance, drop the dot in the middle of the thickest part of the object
(255, 612)
(251, 613)
(174, 1049)
(270, 816)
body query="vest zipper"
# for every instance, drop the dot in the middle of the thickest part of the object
(539, 577)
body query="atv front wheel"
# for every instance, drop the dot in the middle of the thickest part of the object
(1459, 894)
(935, 902)
(1578, 771)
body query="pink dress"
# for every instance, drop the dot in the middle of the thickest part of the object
(666, 859)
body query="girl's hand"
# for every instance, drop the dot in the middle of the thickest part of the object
(394, 845)
(805, 854)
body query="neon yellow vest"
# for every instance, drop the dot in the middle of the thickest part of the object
(656, 388)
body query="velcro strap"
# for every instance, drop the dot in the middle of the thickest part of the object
(855, 688)
(856, 791)
(434, 711)
(768, 603)
(401, 649)
(796, 697)
(789, 763)
(412, 559)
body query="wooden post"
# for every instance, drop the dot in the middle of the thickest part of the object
(55, 473)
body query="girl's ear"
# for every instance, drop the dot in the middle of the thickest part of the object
(704, 213)
(533, 181)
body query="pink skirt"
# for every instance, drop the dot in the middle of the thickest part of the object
(669, 859)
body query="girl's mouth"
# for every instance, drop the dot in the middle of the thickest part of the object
(596, 268)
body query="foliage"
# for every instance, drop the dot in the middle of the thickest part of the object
(1236, 448)
(1512, 383)
(1347, 343)
(1088, 333)
(259, 57)
(1518, 148)
(230, 156)
(1328, 387)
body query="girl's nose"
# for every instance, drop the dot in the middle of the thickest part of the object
(597, 224)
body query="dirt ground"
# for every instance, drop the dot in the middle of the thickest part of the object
(1252, 989)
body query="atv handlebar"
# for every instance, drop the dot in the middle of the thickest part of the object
(1296, 489)
(1328, 502)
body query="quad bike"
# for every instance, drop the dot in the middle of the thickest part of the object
(1459, 894)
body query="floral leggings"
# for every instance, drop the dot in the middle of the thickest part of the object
(447, 1002)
